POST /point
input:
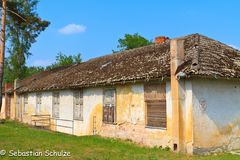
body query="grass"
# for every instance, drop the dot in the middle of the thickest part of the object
(16, 136)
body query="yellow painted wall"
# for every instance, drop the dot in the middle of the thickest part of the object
(130, 119)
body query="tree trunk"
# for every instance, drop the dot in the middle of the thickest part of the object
(2, 49)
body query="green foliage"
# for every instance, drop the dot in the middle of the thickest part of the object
(132, 41)
(10, 72)
(33, 70)
(63, 60)
(23, 26)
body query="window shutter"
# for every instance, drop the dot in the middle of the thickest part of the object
(156, 113)
(155, 98)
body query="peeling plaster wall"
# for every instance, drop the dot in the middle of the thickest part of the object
(185, 117)
(46, 106)
(92, 107)
(92, 112)
(65, 109)
(130, 115)
(130, 118)
(216, 112)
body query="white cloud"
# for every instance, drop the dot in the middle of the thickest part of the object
(72, 29)
(42, 62)
(236, 47)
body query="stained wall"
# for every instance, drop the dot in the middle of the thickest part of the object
(216, 115)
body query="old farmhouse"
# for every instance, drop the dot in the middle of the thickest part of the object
(183, 93)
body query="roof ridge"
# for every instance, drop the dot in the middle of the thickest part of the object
(121, 52)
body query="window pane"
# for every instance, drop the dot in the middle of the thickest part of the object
(109, 106)
(109, 97)
(56, 103)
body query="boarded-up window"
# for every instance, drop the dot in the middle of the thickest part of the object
(109, 106)
(56, 103)
(38, 103)
(155, 98)
(25, 103)
(78, 105)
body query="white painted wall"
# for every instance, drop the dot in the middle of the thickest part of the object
(91, 98)
(65, 111)
(216, 113)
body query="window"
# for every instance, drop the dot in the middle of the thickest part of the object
(155, 98)
(25, 103)
(19, 107)
(56, 103)
(78, 105)
(39, 102)
(109, 105)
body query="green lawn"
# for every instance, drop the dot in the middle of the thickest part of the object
(16, 136)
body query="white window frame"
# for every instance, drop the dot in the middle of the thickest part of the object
(78, 105)
(55, 104)
(38, 103)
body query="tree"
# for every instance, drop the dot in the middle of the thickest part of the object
(63, 60)
(132, 41)
(23, 25)
(33, 70)
(22, 31)
(9, 75)
(2, 50)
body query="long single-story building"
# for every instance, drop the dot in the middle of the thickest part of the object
(183, 93)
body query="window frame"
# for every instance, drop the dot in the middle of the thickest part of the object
(55, 103)
(25, 103)
(80, 105)
(114, 117)
(38, 105)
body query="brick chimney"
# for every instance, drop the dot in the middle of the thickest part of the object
(161, 39)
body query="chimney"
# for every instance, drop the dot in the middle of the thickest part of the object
(160, 39)
(176, 57)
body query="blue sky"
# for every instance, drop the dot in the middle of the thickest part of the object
(92, 27)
